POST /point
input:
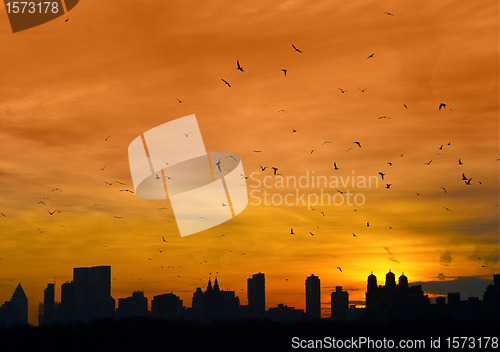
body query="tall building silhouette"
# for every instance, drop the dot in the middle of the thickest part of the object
(166, 306)
(340, 303)
(313, 298)
(215, 304)
(67, 306)
(134, 306)
(256, 291)
(15, 311)
(93, 293)
(49, 308)
(394, 301)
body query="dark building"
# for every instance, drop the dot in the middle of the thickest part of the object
(256, 291)
(15, 311)
(67, 306)
(453, 298)
(440, 301)
(93, 293)
(393, 301)
(340, 303)
(491, 300)
(283, 313)
(49, 308)
(215, 304)
(313, 298)
(167, 306)
(134, 306)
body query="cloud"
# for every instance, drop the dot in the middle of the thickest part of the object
(445, 258)
(469, 286)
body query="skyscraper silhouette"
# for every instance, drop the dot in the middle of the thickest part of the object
(49, 309)
(134, 306)
(93, 293)
(313, 298)
(15, 311)
(67, 307)
(340, 303)
(256, 291)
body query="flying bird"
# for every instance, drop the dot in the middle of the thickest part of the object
(384, 117)
(335, 166)
(428, 163)
(187, 134)
(41, 203)
(218, 165)
(284, 70)
(343, 91)
(67, 19)
(354, 235)
(444, 190)
(312, 234)
(282, 110)
(359, 144)
(294, 130)
(326, 142)
(388, 185)
(51, 212)
(362, 90)
(263, 168)
(405, 106)
(118, 217)
(312, 151)
(442, 105)
(390, 164)
(274, 169)
(56, 189)
(106, 139)
(460, 162)
(3, 215)
(468, 181)
(291, 231)
(367, 224)
(388, 13)
(223, 80)
(126, 190)
(102, 168)
(296, 49)
(448, 209)
(339, 268)
(163, 239)
(257, 151)
(238, 67)
(322, 213)
(463, 177)
(224, 205)
(381, 174)
(370, 56)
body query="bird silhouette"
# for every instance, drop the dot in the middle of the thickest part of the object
(187, 134)
(388, 13)
(163, 239)
(335, 166)
(444, 190)
(224, 205)
(390, 164)
(442, 105)
(274, 169)
(56, 189)
(388, 185)
(428, 163)
(339, 268)
(362, 90)
(384, 117)
(284, 71)
(326, 142)
(102, 168)
(367, 224)
(257, 151)
(406, 107)
(263, 168)
(223, 80)
(291, 231)
(282, 110)
(41, 203)
(382, 175)
(312, 151)
(218, 165)
(126, 190)
(370, 56)
(322, 213)
(106, 139)
(294, 130)
(67, 19)
(448, 210)
(468, 181)
(51, 212)
(312, 234)
(293, 46)
(463, 177)
(359, 144)
(460, 162)
(3, 215)
(354, 235)
(343, 91)
(118, 217)
(238, 67)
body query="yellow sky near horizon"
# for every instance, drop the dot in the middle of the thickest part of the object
(116, 69)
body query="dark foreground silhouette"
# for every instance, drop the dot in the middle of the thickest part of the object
(149, 334)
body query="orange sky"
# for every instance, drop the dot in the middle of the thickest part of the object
(116, 69)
